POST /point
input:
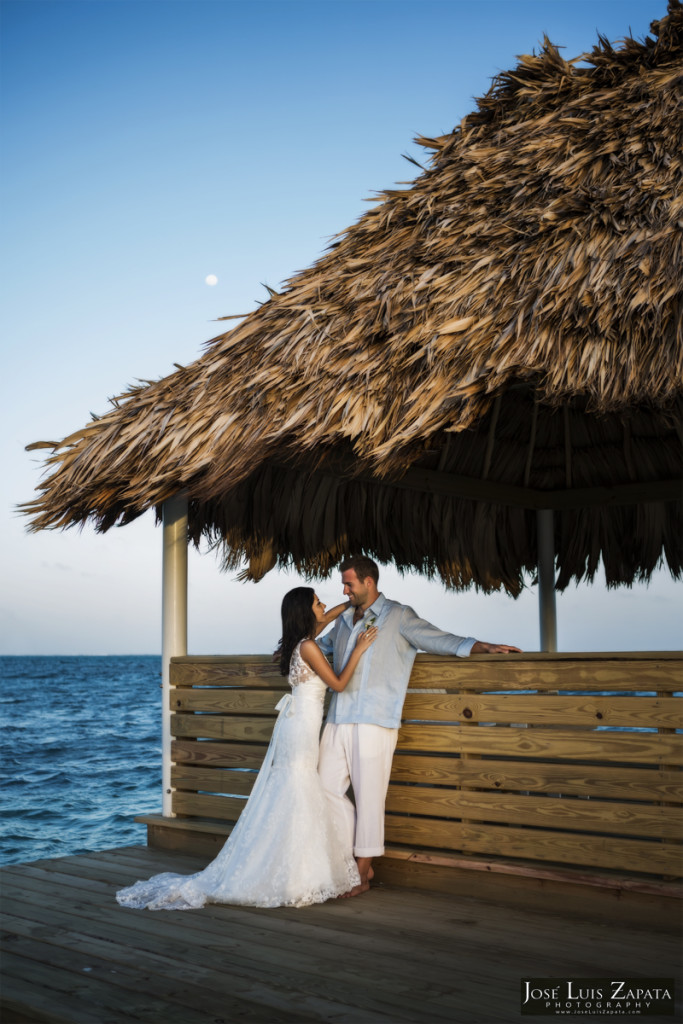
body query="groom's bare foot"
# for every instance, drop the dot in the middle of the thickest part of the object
(366, 875)
(357, 889)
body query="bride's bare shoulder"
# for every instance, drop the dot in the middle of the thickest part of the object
(310, 652)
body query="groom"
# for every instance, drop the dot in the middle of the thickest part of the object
(360, 735)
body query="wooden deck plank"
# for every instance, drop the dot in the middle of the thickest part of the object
(388, 978)
(101, 994)
(71, 872)
(388, 957)
(47, 1007)
(178, 993)
(267, 932)
(248, 994)
(275, 951)
(192, 976)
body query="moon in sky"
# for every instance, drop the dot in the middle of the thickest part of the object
(211, 279)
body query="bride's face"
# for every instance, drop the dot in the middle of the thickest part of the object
(318, 609)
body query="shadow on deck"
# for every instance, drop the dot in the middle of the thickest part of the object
(73, 956)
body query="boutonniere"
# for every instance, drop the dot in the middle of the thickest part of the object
(370, 622)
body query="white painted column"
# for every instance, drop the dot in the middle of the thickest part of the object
(173, 621)
(546, 579)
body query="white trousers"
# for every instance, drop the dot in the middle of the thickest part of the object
(359, 754)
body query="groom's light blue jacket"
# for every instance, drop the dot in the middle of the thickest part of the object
(378, 686)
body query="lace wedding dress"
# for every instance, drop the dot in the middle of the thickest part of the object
(284, 850)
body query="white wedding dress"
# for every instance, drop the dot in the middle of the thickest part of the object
(285, 849)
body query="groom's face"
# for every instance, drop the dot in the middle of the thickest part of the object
(356, 590)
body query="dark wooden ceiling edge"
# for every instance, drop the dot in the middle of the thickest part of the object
(496, 492)
(528, 497)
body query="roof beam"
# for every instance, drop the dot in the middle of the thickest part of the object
(453, 486)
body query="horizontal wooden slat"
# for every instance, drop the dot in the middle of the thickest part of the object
(212, 780)
(634, 712)
(428, 800)
(540, 656)
(220, 755)
(229, 701)
(254, 672)
(522, 673)
(643, 747)
(541, 811)
(224, 659)
(225, 808)
(656, 821)
(655, 671)
(254, 730)
(208, 826)
(579, 780)
(542, 709)
(536, 844)
(604, 851)
(482, 787)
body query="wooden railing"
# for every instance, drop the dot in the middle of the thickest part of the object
(544, 761)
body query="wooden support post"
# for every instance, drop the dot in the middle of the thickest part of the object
(174, 622)
(546, 579)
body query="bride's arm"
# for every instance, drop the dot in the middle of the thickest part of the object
(316, 660)
(330, 615)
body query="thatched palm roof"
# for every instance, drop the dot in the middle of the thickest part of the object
(501, 336)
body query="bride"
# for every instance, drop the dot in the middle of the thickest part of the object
(284, 850)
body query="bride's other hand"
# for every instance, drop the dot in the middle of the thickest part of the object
(366, 638)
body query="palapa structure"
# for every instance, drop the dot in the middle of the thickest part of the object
(501, 337)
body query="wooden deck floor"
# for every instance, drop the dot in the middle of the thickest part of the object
(73, 956)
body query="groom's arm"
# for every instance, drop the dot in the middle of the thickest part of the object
(426, 637)
(326, 642)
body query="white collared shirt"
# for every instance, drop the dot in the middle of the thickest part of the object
(377, 688)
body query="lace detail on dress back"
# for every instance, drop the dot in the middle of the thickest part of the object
(299, 671)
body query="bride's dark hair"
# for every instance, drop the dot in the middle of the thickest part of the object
(298, 623)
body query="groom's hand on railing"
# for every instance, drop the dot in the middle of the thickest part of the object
(481, 647)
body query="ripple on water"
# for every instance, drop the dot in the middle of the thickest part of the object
(82, 756)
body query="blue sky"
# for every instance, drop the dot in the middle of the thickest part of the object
(150, 143)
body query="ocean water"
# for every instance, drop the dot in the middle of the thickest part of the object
(80, 754)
